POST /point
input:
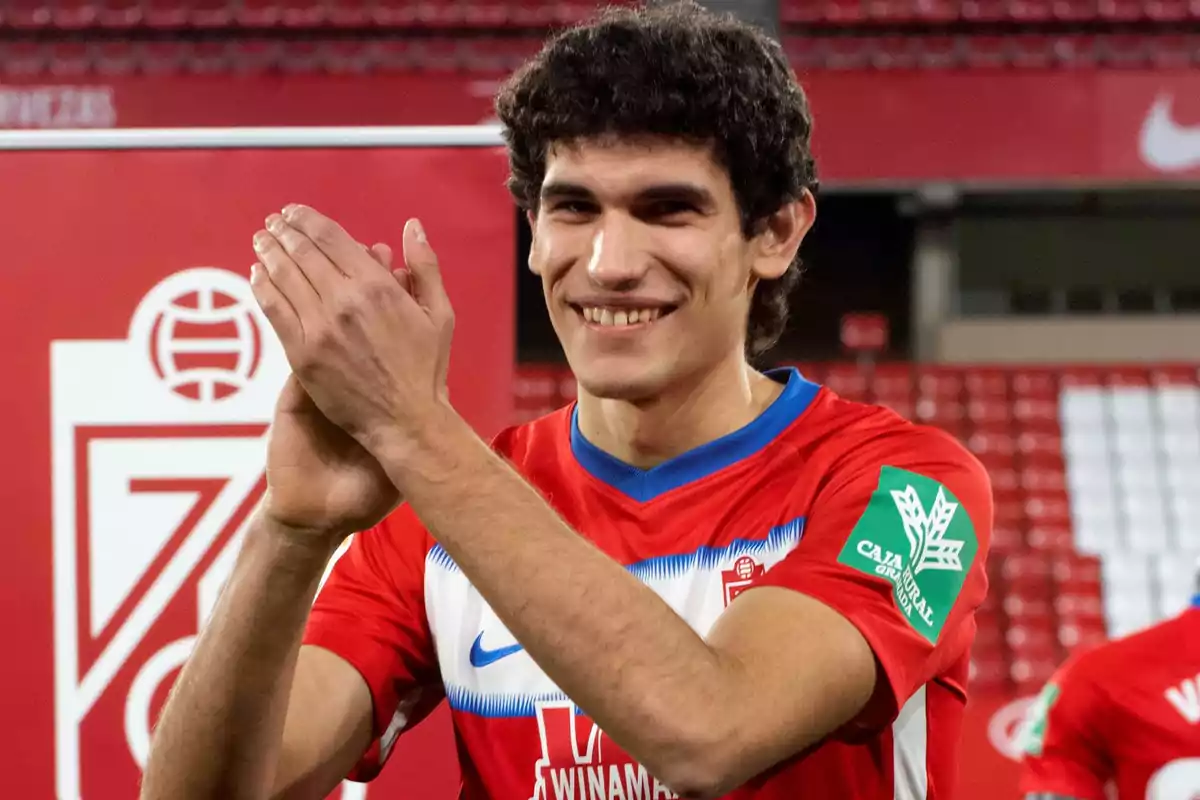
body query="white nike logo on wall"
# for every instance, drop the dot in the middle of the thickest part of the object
(1165, 144)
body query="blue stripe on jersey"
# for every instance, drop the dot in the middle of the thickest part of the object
(498, 705)
(672, 566)
(646, 484)
(1196, 601)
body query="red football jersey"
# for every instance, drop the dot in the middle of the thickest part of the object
(1125, 714)
(885, 521)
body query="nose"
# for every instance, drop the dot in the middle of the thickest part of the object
(618, 260)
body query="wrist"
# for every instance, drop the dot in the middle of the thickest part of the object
(430, 449)
(295, 544)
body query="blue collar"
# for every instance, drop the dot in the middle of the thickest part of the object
(646, 484)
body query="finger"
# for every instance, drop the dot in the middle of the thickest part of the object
(324, 276)
(286, 276)
(383, 254)
(426, 277)
(276, 307)
(331, 239)
(403, 278)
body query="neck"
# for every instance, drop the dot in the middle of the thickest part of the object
(646, 433)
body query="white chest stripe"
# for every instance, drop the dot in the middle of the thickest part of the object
(506, 682)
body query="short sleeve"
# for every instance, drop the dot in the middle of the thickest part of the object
(1062, 749)
(371, 613)
(895, 542)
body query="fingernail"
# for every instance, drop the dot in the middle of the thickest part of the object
(254, 272)
(275, 224)
(260, 241)
(290, 210)
(419, 231)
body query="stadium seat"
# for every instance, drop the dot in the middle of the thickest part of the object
(937, 10)
(71, 14)
(1122, 10)
(119, 13)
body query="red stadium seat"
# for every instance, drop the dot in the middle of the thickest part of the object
(937, 10)
(531, 12)
(68, 14)
(844, 12)
(115, 57)
(210, 13)
(985, 10)
(165, 13)
(848, 381)
(798, 12)
(1075, 10)
(1035, 383)
(1168, 10)
(26, 14)
(891, 11)
(1122, 10)
(119, 13)
(1031, 11)
(349, 13)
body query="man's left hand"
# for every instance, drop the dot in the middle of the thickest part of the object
(371, 346)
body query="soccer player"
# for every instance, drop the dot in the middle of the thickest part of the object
(1124, 715)
(699, 580)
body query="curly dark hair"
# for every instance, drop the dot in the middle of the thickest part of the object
(681, 72)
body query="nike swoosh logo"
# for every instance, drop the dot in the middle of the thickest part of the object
(1165, 144)
(481, 657)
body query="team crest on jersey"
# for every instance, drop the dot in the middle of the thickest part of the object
(915, 534)
(741, 577)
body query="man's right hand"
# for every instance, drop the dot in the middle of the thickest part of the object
(320, 482)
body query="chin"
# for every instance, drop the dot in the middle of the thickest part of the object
(631, 382)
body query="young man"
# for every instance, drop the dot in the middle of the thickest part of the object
(700, 580)
(1124, 715)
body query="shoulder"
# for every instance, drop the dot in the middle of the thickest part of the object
(852, 438)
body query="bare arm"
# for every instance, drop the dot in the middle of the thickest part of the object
(702, 715)
(253, 715)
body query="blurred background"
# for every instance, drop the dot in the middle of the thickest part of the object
(1006, 248)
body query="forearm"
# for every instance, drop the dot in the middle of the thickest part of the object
(220, 732)
(613, 645)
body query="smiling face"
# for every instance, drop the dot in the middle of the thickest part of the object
(646, 272)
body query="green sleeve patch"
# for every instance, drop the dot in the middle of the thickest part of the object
(915, 534)
(1032, 735)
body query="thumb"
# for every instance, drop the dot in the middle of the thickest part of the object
(423, 270)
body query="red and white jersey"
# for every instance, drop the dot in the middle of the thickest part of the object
(1125, 714)
(884, 521)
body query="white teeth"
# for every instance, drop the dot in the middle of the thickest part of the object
(619, 317)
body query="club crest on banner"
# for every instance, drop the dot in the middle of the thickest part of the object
(158, 444)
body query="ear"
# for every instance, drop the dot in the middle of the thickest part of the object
(775, 246)
(531, 218)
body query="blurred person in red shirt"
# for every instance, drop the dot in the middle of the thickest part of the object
(1122, 717)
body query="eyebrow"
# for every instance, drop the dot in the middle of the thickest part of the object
(682, 192)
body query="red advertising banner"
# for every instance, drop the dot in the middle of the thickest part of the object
(140, 377)
(1020, 126)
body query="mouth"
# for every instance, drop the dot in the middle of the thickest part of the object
(618, 318)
